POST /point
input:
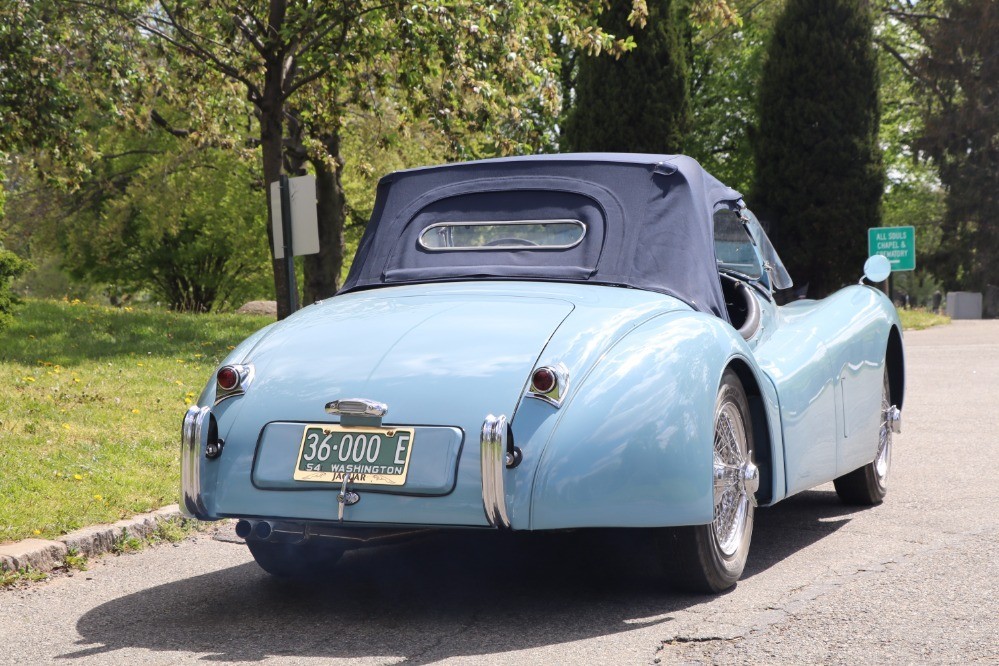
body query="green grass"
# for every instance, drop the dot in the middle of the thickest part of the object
(91, 402)
(919, 319)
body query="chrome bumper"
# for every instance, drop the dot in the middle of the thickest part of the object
(493, 453)
(194, 435)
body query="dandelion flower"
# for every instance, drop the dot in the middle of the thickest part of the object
(78, 477)
(135, 411)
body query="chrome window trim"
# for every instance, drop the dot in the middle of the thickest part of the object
(493, 461)
(435, 225)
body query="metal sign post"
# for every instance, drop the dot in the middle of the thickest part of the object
(295, 225)
(289, 257)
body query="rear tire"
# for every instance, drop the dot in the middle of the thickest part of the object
(711, 558)
(294, 560)
(868, 485)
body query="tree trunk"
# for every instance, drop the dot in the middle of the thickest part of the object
(322, 270)
(271, 109)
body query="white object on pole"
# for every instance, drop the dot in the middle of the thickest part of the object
(304, 217)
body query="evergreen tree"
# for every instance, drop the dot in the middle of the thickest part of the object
(640, 101)
(818, 170)
(959, 72)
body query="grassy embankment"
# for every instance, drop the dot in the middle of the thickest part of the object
(919, 319)
(91, 402)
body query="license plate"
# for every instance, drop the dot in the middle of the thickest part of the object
(373, 456)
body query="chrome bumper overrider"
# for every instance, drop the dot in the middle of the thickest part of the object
(493, 452)
(194, 435)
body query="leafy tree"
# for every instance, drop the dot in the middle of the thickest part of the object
(913, 195)
(303, 64)
(727, 64)
(36, 104)
(818, 170)
(164, 216)
(11, 266)
(958, 70)
(639, 101)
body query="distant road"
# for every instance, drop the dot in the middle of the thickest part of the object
(915, 580)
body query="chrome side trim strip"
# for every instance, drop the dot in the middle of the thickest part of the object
(493, 456)
(192, 435)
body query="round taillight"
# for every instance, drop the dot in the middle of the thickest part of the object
(228, 378)
(543, 380)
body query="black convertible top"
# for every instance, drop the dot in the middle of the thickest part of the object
(648, 220)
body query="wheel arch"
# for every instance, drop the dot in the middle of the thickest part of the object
(895, 360)
(764, 442)
(631, 445)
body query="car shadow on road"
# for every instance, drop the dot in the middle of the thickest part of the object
(453, 594)
(792, 525)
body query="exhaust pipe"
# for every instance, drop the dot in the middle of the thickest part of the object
(243, 529)
(299, 532)
(263, 531)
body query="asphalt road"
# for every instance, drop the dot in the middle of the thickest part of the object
(915, 580)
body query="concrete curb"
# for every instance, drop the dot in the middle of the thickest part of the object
(43, 555)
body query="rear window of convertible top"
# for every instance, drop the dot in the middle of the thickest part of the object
(503, 235)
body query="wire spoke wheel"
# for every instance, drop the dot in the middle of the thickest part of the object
(711, 558)
(732, 502)
(882, 463)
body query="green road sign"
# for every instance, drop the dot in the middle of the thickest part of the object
(896, 243)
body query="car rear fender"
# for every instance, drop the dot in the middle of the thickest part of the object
(633, 443)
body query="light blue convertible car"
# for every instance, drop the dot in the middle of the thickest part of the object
(549, 343)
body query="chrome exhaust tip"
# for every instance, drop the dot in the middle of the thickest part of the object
(244, 528)
(263, 531)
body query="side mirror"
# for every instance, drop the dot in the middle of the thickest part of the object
(877, 268)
